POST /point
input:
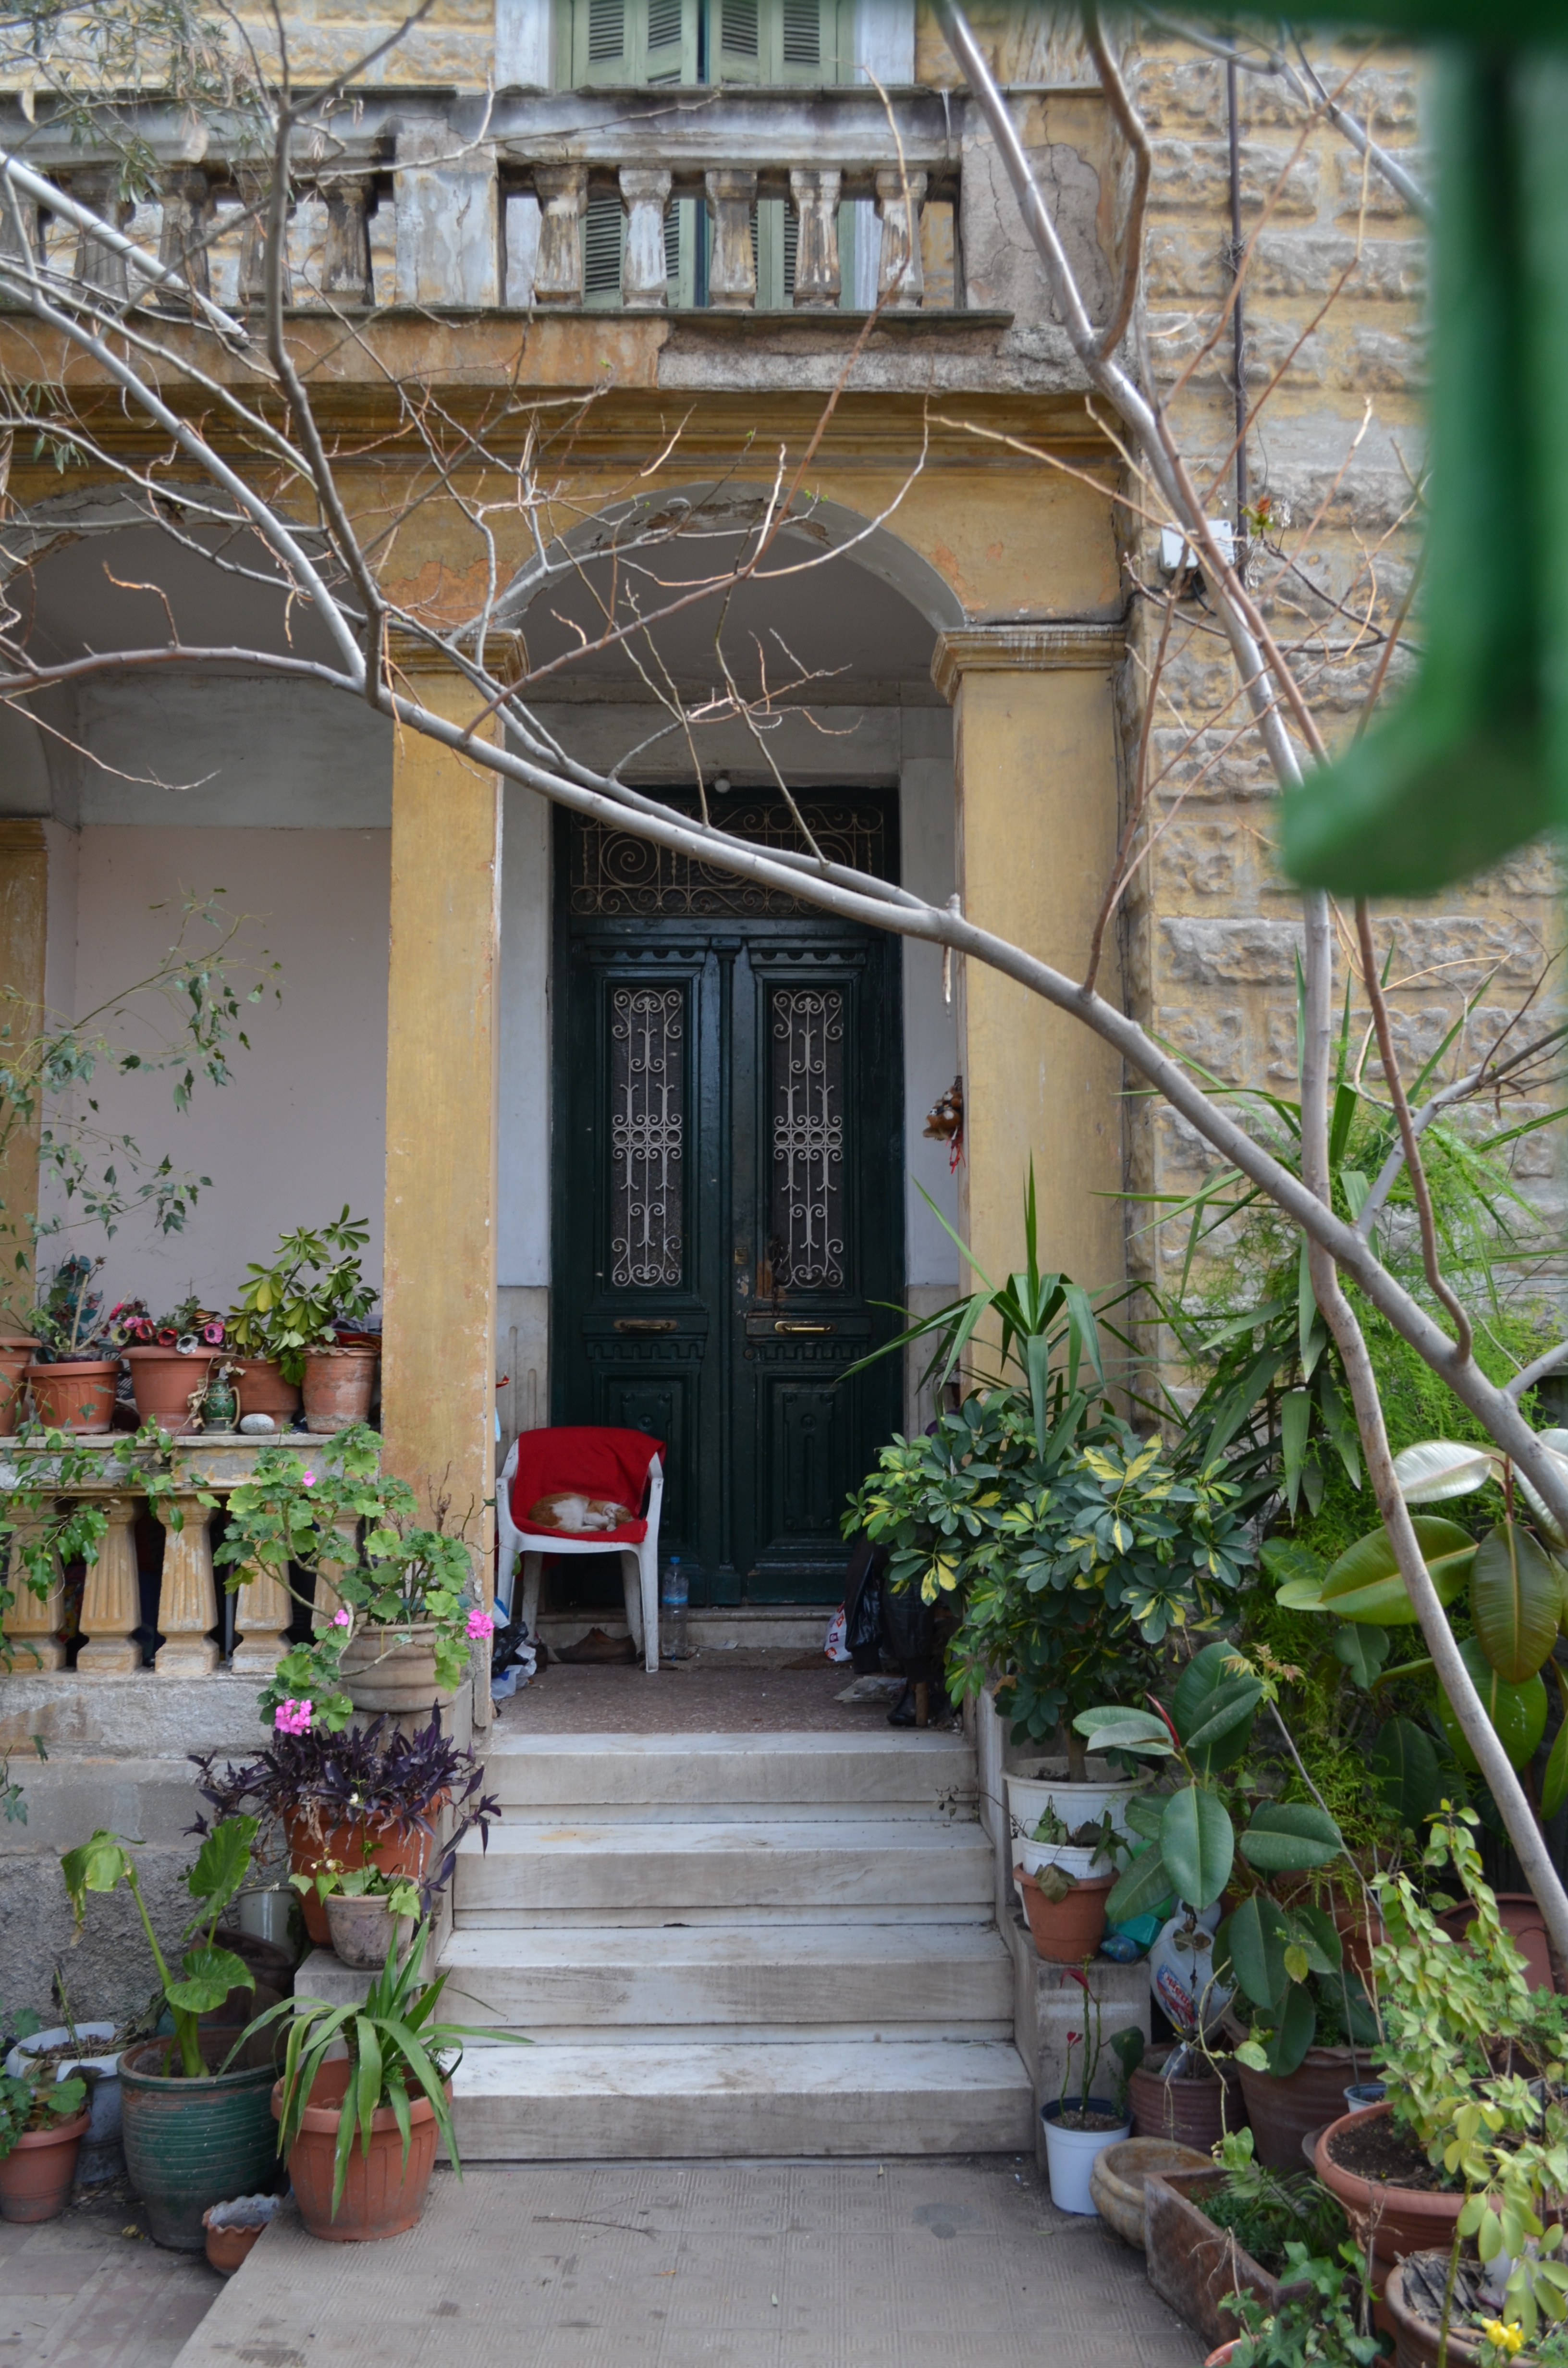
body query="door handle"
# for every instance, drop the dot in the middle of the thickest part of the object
(644, 1323)
(802, 1328)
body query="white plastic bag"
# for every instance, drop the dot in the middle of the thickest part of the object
(835, 1649)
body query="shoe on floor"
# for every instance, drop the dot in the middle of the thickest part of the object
(596, 1647)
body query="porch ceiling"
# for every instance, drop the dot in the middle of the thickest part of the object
(94, 593)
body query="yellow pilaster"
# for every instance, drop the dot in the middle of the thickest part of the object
(24, 898)
(438, 1344)
(1035, 742)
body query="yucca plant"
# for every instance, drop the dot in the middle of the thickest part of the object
(397, 2048)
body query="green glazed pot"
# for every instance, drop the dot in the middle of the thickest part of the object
(191, 2143)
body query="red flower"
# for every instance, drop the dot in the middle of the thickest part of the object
(1074, 1975)
(1073, 2037)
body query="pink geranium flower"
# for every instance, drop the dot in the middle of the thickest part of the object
(479, 1623)
(292, 1717)
(341, 1618)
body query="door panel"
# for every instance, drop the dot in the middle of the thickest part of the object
(728, 1201)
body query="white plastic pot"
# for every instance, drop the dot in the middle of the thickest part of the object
(1070, 2158)
(1043, 1785)
(103, 2155)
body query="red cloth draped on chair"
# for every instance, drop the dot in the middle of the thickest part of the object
(589, 1462)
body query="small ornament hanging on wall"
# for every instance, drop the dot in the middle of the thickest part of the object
(944, 1123)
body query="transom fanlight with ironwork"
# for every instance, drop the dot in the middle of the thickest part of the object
(614, 874)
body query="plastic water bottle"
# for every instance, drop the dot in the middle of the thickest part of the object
(673, 1645)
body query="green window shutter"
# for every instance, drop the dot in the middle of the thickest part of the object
(682, 224)
(735, 45)
(604, 237)
(629, 41)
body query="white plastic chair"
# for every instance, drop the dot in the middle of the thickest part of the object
(639, 1564)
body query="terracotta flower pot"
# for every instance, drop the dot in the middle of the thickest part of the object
(15, 1356)
(75, 1397)
(262, 1388)
(1197, 2113)
(383, 2194)
(363, 1931)
(1070, 1929)
(1399, 2220)
(380, 1675)
(1415, 2335)
(339, 1384)
(163, 1382)
(356, 1844)
(1284, 2110)
(1525, 1925)
(1118, 2182)
(1193, 2265)
(36, 2176)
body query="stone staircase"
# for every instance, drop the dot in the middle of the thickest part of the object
(735, 1944)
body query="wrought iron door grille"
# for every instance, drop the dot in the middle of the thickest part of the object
(614, 874)
(808, 1138)
(647, 1125)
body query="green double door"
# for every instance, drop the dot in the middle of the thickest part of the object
(728, 1192)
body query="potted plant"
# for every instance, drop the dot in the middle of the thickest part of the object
(194, 2107)
(77, 1362)
(290, 1315)
(172, 1359)
(1472, 2137)
(368, 1912)
(1277, 1951)
(1321, 2316)
(1183, 2093)
(58, 2054)
(1227, 2229)
(360, 2134)
(1076, 2131)
(364, 1798)
(43, 2124)
(407, 1608)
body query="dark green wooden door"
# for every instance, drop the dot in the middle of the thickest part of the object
(728, 1190)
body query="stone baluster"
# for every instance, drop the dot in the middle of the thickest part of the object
(901, 276)
(562, 193)
(99, 266)
(817, 277)
(645, 273)
(187, 1607)
(33, 1623)
(111, 1599)
(255, 189)
(263, 1608)
(345, 257)
(732, 266)
(182, 246)
(328, 1600)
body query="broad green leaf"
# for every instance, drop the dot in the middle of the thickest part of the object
(1211, 1707)
(1365, 1583)
(1286, 1836)
(1405, 1768)
(96, 1866)
(1295, 1420)
(1197, 1845)
(1533, 1496)
(1516, 1600)
(1311, 1929)
(1436, 1468)
(1287, 1563)
(1294, 2035)
(1301, 1595)
(1143, 1816)
(1253, 1939)
(1555, 1783)
(1146, 1886)
(221, 1863)
(1517, 1712)
(210, 1975)
(1363, 1650)
(1124, 1730)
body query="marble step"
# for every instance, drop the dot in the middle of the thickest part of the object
(581, 2102)
(714, 1777)
(726, 1871)
(794, 1980)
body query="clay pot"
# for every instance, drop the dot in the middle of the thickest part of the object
(1193, 2113)
(16, 1355)
(1117, 2181)
(36, 2177)
(262, 1388)
(339, 1384)
(1193, 2265)
(380, 1675)
(356, 1844)
(1415, 2336)
(78, 1396)
(163, 1382)
(1399, 2220)
(383, 2194)
(1284, 2110)
(227, 2248)
(189, 2143)
(1525, 1925)
(1066, 1930)
(363, 1931)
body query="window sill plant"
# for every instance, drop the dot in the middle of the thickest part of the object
(43, 2124)
(77, 1359)
(289, 1315)
(359, 2135)
(195, 2123)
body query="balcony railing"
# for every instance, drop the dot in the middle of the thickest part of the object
(399, 200)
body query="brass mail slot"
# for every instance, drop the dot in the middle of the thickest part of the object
(644, 1323)
(802, 1328)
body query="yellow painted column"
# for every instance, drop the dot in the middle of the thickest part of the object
(1035, 743)
(438, 1341)
(24, 896)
